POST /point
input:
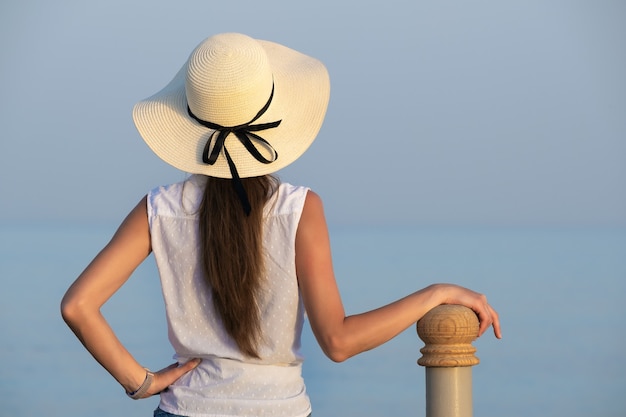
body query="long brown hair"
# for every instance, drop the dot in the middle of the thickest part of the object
(231, 245)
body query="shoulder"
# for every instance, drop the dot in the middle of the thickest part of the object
(313, 200)
(287, 199)
(313, 210)
(181, 198)
(287, 189)
(194, 182)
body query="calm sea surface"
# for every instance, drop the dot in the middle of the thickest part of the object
(560, 293)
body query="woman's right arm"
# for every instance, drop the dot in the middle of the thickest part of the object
(341, 336)
(82, 302)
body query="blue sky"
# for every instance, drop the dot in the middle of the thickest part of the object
(441, 112)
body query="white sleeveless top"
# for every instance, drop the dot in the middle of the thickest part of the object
(227, 383)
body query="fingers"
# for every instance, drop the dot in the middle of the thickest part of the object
(188, 366)
(176, 370)
(181, 368)
(488, 317)
(485, 321)
(496, 323)
(168, 375)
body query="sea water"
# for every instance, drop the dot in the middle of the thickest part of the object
(560, 294)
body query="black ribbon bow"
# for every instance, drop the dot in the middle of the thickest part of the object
(244, 133)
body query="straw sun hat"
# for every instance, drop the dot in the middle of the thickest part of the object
(239, 107)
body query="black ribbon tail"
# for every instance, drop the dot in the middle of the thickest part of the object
(238, 184)
(211, 157)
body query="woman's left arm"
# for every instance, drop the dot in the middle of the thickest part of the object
(81, 304)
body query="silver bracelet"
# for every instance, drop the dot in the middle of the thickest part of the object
(139, 392)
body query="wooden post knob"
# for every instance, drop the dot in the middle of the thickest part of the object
(447, 332)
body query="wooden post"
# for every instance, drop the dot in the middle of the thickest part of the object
(448, 355)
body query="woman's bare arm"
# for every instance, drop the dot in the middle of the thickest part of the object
(82, 302)
(342, 337)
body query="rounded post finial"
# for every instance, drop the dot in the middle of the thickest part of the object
(448, 332)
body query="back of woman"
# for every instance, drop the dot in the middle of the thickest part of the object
(227, 381)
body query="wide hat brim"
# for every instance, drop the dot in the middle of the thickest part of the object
(300, 100)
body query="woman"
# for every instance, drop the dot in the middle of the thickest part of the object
(241, 256)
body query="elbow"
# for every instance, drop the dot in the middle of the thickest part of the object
(72, 310)
(337, 357)
(68, 311)
(336, 349)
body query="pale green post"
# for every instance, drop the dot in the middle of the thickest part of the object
(448, 355)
